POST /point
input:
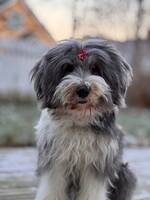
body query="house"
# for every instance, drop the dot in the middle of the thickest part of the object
(18, 21)
(23, 41)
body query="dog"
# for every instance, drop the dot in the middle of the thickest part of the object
(80, 85)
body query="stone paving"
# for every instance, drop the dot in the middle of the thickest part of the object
(18, 180)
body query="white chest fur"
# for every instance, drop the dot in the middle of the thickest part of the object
(78, 147)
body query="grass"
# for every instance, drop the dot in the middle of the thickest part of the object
(17, 122)
(135, 121)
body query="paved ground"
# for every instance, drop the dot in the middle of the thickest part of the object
(18, 181)
(17, 174)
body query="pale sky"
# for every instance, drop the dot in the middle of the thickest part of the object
(56, 15)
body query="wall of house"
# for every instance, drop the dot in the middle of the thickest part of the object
(17, 58)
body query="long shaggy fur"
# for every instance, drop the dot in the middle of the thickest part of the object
(79, 144)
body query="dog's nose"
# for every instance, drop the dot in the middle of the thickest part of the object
(83, 91)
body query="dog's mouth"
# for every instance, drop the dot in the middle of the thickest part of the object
(81, 105)
(100, 104)
(82, 101)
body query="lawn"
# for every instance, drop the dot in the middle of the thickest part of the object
(16, 124)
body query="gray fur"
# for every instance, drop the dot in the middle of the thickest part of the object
(79, 145)
(48, 72)
(124, 184)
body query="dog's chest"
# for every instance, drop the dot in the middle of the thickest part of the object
(75, 146)
(81, 147)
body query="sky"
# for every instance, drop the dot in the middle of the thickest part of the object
(56, 15)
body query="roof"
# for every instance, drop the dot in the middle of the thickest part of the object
(5, 4)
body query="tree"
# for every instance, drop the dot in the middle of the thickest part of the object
(116, 14)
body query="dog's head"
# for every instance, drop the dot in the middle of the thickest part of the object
(84, 77)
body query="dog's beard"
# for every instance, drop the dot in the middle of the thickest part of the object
(98, 101)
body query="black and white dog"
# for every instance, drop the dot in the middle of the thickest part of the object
(81, 84)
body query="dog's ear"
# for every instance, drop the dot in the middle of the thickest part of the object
(37, 74)
(127, 76)
(123, 77)
(46, 75)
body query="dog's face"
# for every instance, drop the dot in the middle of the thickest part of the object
(81, 77)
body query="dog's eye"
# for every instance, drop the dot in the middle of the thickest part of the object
(68, 68)
(95, 70)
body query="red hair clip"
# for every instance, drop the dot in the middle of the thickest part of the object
(82, 54)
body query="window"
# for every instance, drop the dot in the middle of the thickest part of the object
(15, 20)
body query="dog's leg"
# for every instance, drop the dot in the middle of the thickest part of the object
(92, 187)
(52, 186)
(124, 186)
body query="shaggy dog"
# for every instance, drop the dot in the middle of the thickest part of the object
(81, 84)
